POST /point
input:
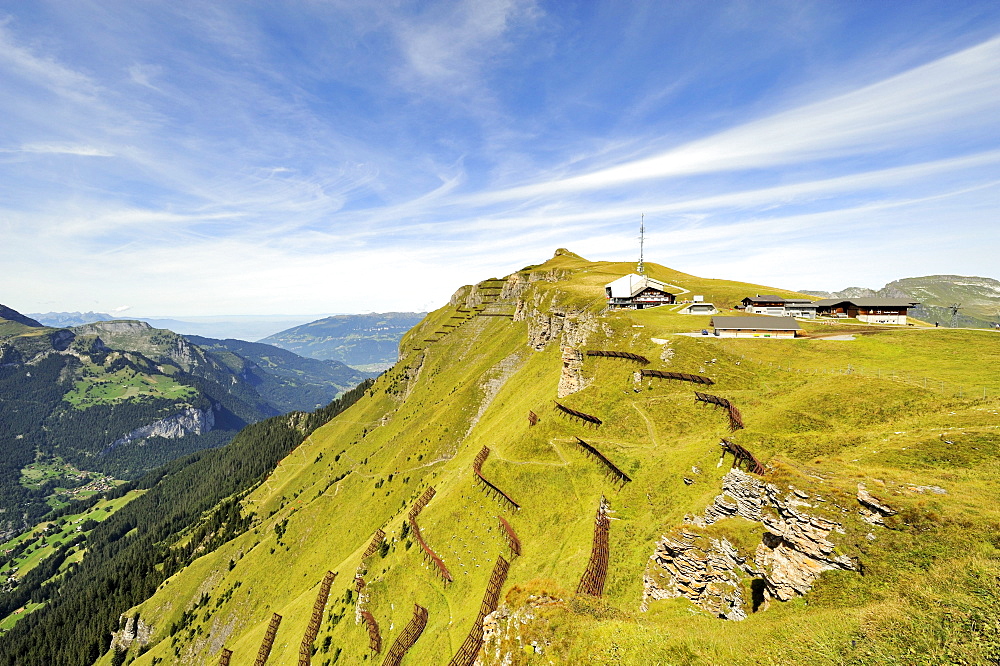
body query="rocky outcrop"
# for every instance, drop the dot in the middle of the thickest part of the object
(458, 298)
(516, 285)
(706, 571)
(131, 630)
(474, 298)
(506, 631)
(794, 551)
(571, 378)
(191, 421)
(872, 510)
(543, 327)
(62, 339)
(570, 327)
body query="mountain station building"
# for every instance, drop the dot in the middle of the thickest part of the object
(636, 292)
(777, 306)
(871, 310)
(755, 327)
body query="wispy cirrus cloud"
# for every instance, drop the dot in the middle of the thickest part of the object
(255, 154)
(939, 98)
(61, 149)
(450, 44)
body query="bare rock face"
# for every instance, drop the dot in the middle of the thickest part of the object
(571, 379)
(459, 296)
(572, 328)
(794, 550)
(189, 421)
(706, 571)
(474, 298)
(504, 631)
(516, 285)
(132, 630)
(543, 327)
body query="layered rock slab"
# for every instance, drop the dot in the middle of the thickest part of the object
(794, 550)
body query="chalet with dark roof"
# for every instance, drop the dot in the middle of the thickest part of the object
(636, 292)
(871, 310)
(778, 306)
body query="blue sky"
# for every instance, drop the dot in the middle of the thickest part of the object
(193, 158)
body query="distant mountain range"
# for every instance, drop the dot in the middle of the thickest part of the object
(955, 301)
(241, 327)
(283, 378)
(366, 341)
(120, 397)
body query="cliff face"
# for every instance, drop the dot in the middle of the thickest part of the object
(191, 421)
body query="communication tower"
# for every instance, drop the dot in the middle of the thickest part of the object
(640, 269)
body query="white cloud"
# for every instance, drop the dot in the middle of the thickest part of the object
(452, 44)
(958, 91)
(143, 75)
(64, 149)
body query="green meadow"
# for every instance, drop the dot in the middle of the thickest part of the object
(926, 583)
(97, 387)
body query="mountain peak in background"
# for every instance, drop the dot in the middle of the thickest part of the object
(70, 319)
(954, 301)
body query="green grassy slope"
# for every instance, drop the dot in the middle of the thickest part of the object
(926, 583)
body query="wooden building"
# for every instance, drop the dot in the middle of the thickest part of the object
(765, 304)
(755, 327)
(871, 310)
(777, 306)
(636, 292)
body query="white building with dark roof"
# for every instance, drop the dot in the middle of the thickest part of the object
(636, 292)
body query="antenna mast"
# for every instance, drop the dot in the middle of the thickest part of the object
(642, 237)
